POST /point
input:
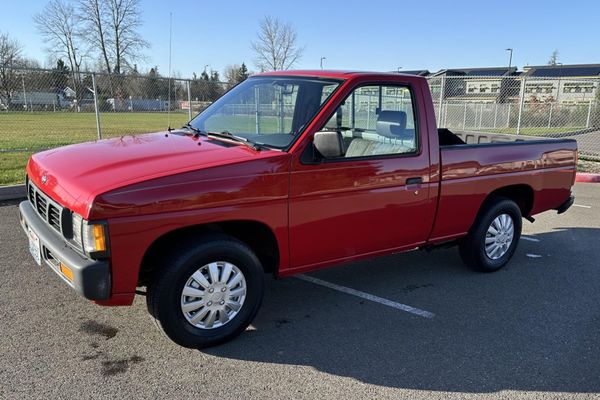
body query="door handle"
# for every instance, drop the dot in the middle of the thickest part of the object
(414, 181)
(414, 185)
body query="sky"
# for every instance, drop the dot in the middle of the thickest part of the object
(353, 35)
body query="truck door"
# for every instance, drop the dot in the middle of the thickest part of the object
(373, 198)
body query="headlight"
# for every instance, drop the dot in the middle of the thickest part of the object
(88, 236)
(77, 223)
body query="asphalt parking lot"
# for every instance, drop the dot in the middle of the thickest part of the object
(531, 330)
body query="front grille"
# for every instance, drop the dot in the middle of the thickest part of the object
(47, 209)
(54, 217)
(41, 205)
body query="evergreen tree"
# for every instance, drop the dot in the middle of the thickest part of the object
(60, 75)
(243, 73)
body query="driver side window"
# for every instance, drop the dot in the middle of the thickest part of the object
(375, 120)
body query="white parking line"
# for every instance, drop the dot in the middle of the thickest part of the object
(530, 239)
(367, 296)
(581, 206)
(530, 255)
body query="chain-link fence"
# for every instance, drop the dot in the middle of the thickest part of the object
(41, 109)
(560, 107)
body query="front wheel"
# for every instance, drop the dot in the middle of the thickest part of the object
(207, 291)
(493, 239)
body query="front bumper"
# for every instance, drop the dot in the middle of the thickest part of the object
(91, 278)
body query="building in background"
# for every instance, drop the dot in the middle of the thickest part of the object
(576, 84)
(476, 85)
(564, 84)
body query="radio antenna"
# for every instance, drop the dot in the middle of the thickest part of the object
(169, 84)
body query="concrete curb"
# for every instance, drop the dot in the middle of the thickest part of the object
(587, 177)
(12, 192)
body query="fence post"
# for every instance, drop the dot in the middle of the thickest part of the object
(550, 116)
(442, 89)
(521, 103)
(257, 101)
(189, 92)
(446, 115)
(495, 115)
(369, 112)
(353, 112)
(587, 124)
(96, 108)
(465, 116)
(24, 93)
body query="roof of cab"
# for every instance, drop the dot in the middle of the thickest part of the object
(334, 74)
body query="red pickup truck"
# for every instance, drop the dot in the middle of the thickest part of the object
(288, 172)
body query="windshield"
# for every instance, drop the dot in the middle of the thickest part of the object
(267, 110)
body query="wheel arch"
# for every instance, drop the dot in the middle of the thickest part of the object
(521, 194)
(256, 235)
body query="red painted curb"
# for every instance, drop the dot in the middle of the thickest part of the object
(587, 177)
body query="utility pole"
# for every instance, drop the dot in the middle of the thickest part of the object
(322, 58)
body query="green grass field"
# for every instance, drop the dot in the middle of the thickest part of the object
(44, 130)
(24, 133)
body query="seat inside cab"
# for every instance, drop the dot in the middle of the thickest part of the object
(390, 135)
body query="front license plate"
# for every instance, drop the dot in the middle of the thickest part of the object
(34, 246)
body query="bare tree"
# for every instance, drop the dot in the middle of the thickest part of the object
(10, 57)
(113, 27)
(60, 26)
(124, 21)
(553, 60)
(93, 14)
(276, 45)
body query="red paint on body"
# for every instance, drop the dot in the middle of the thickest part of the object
(321, 214)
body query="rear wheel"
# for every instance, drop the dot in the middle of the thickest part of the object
(493, 239)
(207, 291)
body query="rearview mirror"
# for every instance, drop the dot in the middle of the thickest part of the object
(329, 144)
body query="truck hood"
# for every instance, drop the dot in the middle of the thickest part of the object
(74, 175)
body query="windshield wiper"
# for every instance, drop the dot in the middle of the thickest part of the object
(196, 130)
(239, 139)
(225, 135)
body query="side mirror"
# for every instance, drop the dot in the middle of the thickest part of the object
(329, 144)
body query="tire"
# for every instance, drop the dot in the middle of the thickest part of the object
(484, 251)
(180, 270)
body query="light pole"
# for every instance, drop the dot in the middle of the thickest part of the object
(509, 58)
(322, 58)
(206, 66)
(398, 69)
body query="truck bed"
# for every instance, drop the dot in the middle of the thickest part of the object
(470, 171)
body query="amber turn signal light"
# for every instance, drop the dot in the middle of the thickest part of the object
(66, 271)
(99, 240)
